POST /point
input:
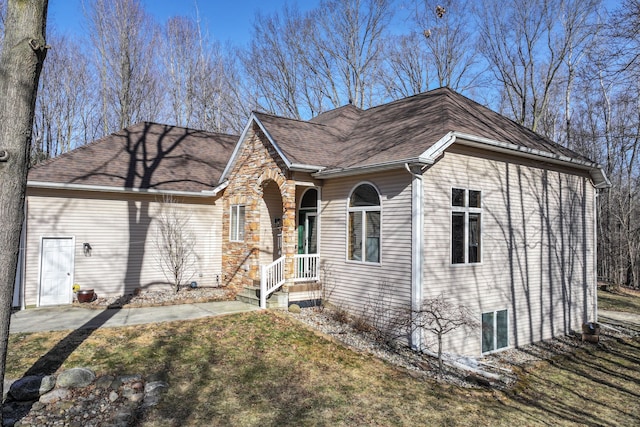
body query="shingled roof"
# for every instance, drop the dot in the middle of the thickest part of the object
(350, 138)
(145, 156)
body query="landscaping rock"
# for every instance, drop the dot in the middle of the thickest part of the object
(55, 396)
(76, 377)
(104, 382)
(31, 387)
(295, 309)
(153, 392)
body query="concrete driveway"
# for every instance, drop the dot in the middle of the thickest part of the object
(72, 318)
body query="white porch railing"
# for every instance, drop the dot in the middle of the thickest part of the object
(306, 267)
(271, 278)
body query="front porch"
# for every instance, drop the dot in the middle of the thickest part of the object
(270, 290)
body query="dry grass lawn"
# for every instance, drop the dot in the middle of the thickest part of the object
(267, 369)
(622, 299)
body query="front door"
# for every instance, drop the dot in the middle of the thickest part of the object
(307, 233)
(56, 271)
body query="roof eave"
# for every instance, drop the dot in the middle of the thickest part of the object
(252, 119)
(596, 172)
(378, 167)
(107, 189)
(297, 167)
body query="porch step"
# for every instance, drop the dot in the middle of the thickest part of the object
(249, 295)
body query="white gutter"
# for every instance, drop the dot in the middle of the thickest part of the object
(435, 151)
(378, 167)
(297, 167)
(417, 248)
(216, 190)
(107, 189)
(595, 171)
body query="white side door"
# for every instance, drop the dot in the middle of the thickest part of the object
(56, 270)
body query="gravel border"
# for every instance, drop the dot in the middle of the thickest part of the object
(505, 363)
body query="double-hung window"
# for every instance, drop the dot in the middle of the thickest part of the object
(236, 232)
(466, 212)
(495, 330)
(364, 224)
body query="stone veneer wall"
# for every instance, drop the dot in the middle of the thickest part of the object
(256, 163)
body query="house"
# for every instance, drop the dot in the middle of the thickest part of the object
(425, 196)
(92, 213)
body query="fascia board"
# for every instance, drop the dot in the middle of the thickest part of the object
(436, 150)
(287, 162)
(595, 171)
(236, 150)
(217, 189)
(396, 164)
(107, 189)
(296, 167)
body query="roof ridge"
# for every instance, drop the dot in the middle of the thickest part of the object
(309, 122)
(179, 127)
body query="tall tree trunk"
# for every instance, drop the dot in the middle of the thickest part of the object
(21, 61)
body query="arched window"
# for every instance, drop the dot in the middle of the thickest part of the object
(364, 224)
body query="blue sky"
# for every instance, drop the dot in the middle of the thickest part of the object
(225, 19)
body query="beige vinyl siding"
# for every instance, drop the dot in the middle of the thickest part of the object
(537, 246)
(353, 284)
(121, 229)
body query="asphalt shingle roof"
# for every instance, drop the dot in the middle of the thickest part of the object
(404, 129)
(143, 156)
(162, 157)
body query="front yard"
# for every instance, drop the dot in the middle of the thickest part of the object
(268, 369)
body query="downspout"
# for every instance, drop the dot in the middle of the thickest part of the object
(595, 254)
(417, 249)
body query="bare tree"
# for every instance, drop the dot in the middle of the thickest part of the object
(407, 66)
(3, 7)
(65, 107)
(626, 29)
(21, 60)
(199, 79)
(449, 42)
(440, 317)
(124, 40)
(175, 242)
(274, 63)
(302, 65)
(351, 34)
(527, 44)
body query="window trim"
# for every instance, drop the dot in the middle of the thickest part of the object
(465, 210)
(495, 330)
(363, 210)
(238, 234)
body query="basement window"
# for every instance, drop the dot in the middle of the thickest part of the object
(495, 330)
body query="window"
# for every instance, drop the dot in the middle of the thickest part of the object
(466, 209)
(495, 330)
(237, 223)
(364, 224)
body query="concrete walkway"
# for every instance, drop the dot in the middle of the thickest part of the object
(71, 318)
(622, 318)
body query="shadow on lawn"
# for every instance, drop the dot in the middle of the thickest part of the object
(51, 361)
(589, 381)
